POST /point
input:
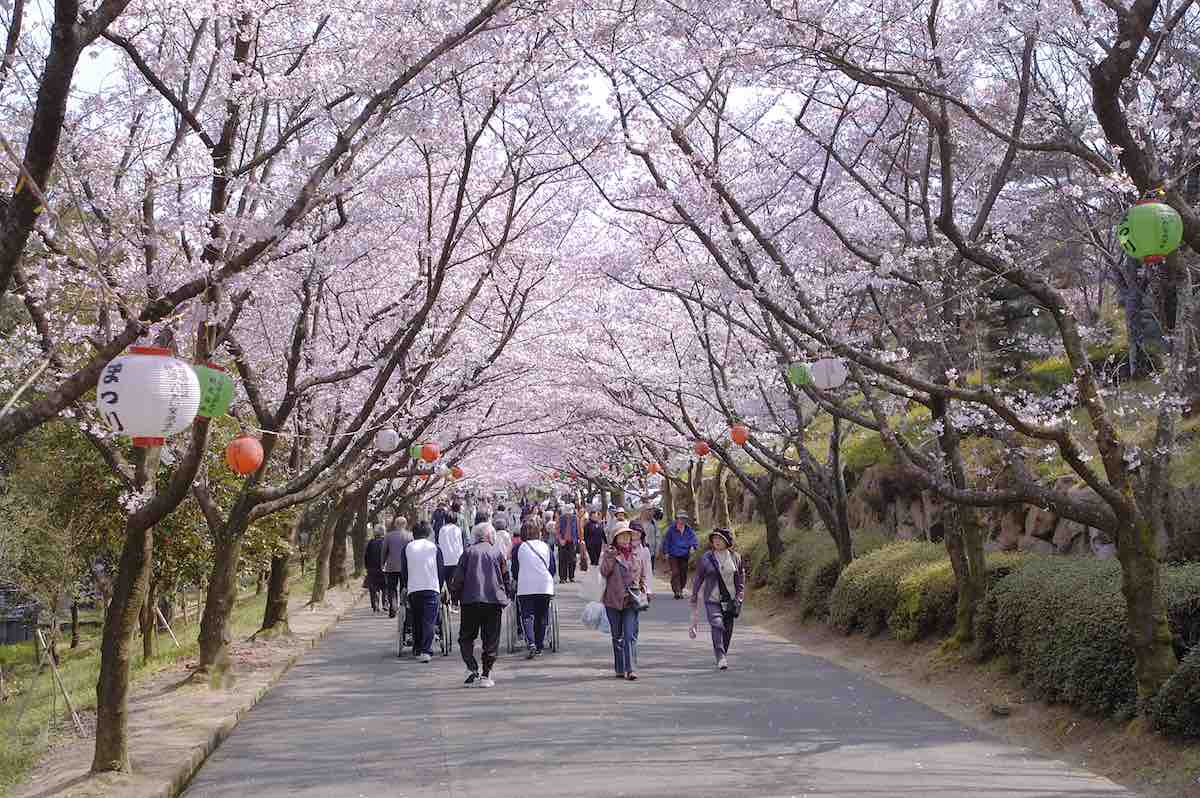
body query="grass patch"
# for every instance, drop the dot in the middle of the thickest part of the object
(35, 712)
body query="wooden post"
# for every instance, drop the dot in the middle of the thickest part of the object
(158, 612)
(63, 688)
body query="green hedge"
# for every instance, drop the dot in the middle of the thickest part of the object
(1060, 622)
(868, 590)
(927, 598)
(1176, 708)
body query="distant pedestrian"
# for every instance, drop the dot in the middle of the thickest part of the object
(439, 518)
(568, 544)
(641, 547)
(452, 540)
(534, 569)
(594, 536)
(677, 546)
(421, 576)
(720, 584)
(483, 586)
(373, 560)
(650, 527)
(622, 571)
(501, 536)
(393, 556)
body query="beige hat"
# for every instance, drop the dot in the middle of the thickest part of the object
(619, 528)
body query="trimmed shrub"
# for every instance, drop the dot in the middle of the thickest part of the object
(1176, 708)
(868, 589)
(758, 563)
(805, 551)
(1061, 624)
(817, 586)
(927, 599)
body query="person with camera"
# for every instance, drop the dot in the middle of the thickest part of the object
(720, 583)
(624, 597)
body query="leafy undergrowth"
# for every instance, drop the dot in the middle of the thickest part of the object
(34, 713)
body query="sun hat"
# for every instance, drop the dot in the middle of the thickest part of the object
(725, 535)
(620, 528)
(682, 514)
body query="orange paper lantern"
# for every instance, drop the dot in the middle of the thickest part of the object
(654, 468)
(456, 472)
(701, 448)
(430, 452)
(740, 434)
(244, 454)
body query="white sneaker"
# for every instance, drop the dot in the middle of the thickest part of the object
(426, 658)
(486, 681)
(722, 664)
(472, 679)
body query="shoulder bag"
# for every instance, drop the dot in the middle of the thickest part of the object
(730, 607)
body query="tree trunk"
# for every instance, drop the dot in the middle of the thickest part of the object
(721, 497)
(324, 552)
(964, 540)
(765, 500)
(360, 533)
(74, 624)
(149, 624)
(275, 614)
(120, 619)
(1146, 615)
(219, 601)
(841, 520)
(668, 500)
(337, 557)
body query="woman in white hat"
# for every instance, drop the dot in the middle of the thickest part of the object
(720, 583)
(622, 570)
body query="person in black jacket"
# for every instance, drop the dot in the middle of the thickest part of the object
(373, 559)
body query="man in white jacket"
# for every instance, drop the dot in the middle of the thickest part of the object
(452, 542)
(534, 569)
(421, 575)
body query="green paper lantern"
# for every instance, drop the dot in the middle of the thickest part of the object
(414, 451)
(797, 374)
(628, 468)
(1150, 230)
(216, 390)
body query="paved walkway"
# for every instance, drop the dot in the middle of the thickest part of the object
(352, 720)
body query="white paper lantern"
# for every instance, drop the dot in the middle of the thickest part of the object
(387, 440)
(148, 395)
(443, 470)
(829, 373)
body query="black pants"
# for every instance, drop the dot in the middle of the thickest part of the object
(535, 617)
(448, 574)
(377, 587)
(679, 572)
(393, 585)
(566, 561)
(477, 620)
(423, 610)
(593, 550)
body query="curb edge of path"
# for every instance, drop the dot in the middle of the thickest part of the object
(200, 753)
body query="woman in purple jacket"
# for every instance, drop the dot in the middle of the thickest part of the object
(719, 566)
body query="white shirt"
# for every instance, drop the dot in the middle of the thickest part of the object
(534, 579)
(503, 541)
(450, 541)
(643, 553)
(421, 560)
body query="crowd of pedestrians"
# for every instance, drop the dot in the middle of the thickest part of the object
(478, 560)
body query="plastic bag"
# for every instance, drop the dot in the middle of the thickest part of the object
(592, 588)
(594, 617)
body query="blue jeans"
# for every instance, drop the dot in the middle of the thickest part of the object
(624, 625)
(423, 607)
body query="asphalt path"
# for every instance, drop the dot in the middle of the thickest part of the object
(353, 720)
